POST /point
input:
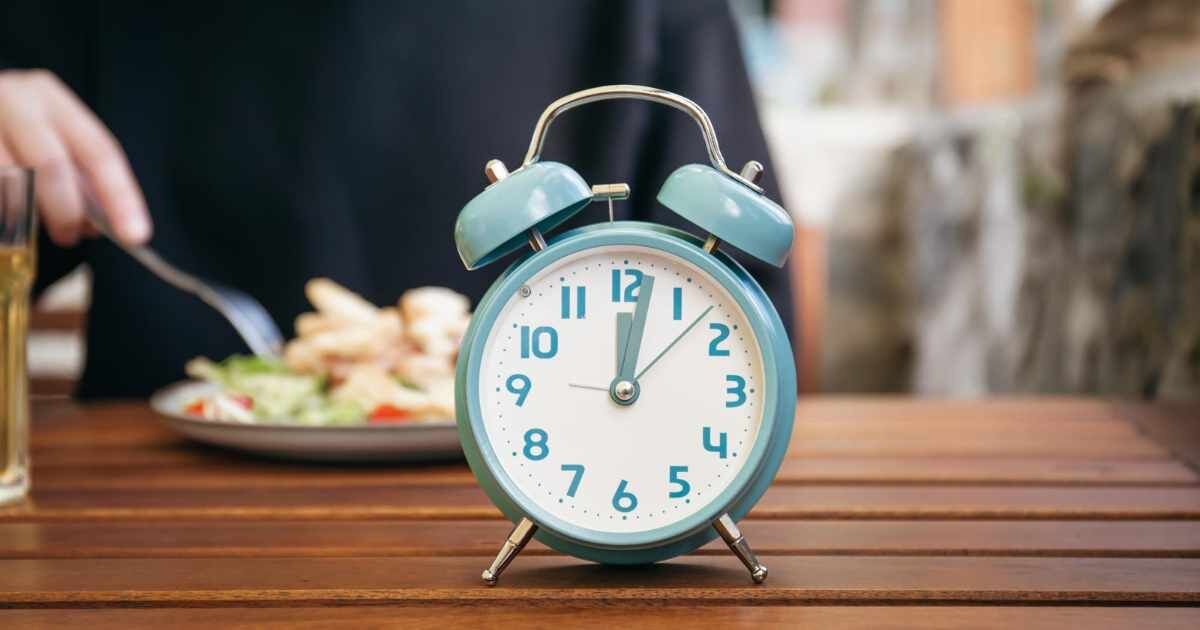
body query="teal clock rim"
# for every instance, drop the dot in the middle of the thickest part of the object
(751, 481)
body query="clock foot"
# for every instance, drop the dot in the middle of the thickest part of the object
(737, 543)
(517, 538)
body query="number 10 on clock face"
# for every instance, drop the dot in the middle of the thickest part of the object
(621, 389)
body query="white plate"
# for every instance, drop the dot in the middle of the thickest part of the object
(367, 443)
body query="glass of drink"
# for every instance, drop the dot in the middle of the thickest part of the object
(18, 241)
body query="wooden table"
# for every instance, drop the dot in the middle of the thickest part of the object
(886, 513)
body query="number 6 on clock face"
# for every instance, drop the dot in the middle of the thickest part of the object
(629, 467)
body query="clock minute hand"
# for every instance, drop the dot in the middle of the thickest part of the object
(633, 342)
(673, 342)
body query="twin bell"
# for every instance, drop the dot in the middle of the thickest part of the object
(517, 208)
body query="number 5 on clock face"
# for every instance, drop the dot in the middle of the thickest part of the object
(548, 380)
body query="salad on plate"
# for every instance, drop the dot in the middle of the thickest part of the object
(351, 363)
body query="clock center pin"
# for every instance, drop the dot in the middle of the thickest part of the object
(625, 392)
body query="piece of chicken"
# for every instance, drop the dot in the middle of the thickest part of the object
(423, 370)
(435, 319)
(433, 302)
(366, 351)
(370, 387)
(347, 330)
(338, 302)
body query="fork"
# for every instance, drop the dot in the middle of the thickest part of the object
(244, 313)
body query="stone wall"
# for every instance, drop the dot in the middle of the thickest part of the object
(1049, 248)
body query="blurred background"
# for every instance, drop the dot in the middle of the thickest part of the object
(993, 196)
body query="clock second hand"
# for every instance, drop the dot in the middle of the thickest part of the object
(578, 386)
(673, 342)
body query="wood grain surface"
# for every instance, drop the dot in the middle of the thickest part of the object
(887, 513)
(630, 615)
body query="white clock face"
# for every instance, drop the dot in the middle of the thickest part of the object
(585, 333)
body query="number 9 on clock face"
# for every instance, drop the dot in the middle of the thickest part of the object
(621, 389)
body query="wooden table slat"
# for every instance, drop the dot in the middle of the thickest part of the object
(936, 430)
(186, 465)
(198, 471)
(1168, 539)
(629, 615)
(1135, 447)
(698, 579)
(902, 408)
(467, 502)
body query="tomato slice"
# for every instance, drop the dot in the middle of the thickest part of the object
(196, 408)
(389, 413)
(245, 401)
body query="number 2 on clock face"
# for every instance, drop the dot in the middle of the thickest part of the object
(556, 430)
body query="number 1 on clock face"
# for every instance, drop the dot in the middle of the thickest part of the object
(557, 362)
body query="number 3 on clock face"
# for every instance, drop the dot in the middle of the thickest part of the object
(562, 442)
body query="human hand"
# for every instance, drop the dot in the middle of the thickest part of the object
(44, 126)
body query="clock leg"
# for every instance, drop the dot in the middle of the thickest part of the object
(520, 534)
(737, 543)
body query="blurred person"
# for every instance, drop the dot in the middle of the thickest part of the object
(261, 144)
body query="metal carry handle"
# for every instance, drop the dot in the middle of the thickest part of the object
(640, 93)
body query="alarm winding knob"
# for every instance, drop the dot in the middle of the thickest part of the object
(610, 192)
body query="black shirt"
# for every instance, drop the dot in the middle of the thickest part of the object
(276, 142)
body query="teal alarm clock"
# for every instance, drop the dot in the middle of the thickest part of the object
(626, 390)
